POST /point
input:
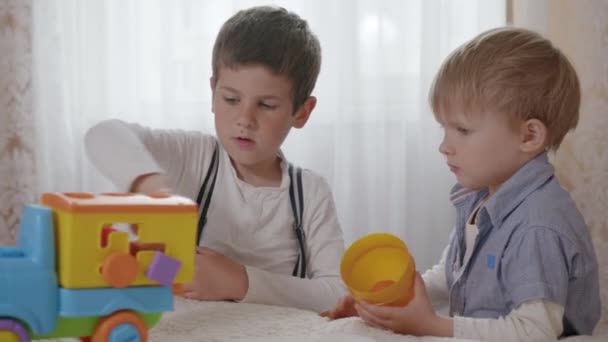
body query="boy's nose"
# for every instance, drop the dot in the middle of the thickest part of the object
(246, 118)
(444, 148)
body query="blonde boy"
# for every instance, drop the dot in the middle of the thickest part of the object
(520, 265)
(265, 66)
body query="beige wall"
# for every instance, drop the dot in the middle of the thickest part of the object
(580, 29)
(17, 166)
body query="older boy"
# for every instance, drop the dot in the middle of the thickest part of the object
(269, 232)
(520, 265)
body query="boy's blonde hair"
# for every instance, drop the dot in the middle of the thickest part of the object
(511, 71)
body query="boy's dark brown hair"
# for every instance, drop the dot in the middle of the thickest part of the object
(514, 72)
(273, 37)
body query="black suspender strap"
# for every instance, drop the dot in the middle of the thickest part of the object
(296, 199)
(206, 192)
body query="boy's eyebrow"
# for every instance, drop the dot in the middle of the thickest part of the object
(270, 96)
(229, 89)
(451, 120)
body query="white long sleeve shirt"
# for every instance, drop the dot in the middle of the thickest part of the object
(535, 320)
(253, 225)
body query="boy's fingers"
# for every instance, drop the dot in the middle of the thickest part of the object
(345, 302)
(381, 312)
(370, 318)
(343, 309)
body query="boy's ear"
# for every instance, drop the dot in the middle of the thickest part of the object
(533, 134)
(303, 113)
(212, 83)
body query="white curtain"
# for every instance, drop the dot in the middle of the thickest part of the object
(372, 134)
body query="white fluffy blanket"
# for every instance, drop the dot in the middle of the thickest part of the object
(194, 321)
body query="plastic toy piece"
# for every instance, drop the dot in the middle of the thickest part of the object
(136, 247)
(119, 269)
(10, 252)
(121, 326)
(28, 283)
(104, 301)
(379, 269)
(13, 331)
(163, 269)
(105, 232)
(70, 276)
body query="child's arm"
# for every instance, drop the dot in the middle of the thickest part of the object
(119, 153)
(436, 284)
(344, 308)
(325, 246)
(216, 277)
(537, 320)
(150, 182)
(130, 154)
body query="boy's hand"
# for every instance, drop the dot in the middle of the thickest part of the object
(150, 183)
(344, 308)
(216, 277)
(416, 318)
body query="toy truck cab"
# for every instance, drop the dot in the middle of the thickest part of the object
(28, 282)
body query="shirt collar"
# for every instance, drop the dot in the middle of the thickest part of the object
(515, 190)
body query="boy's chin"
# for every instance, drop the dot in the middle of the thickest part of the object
(467, 183)
(248, 159)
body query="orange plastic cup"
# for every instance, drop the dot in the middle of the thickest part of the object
(379, 269)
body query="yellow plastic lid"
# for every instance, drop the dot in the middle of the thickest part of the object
(85, 202)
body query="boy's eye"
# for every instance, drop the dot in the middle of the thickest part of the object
(231, 100)
(463, 130)
(267, 105)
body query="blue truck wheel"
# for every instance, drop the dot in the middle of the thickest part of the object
(125, 333)
(121, 326)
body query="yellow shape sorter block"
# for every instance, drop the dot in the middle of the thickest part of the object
(79, 219)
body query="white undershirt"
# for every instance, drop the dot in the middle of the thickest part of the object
(470, 234)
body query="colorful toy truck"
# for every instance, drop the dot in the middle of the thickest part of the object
(74, 274)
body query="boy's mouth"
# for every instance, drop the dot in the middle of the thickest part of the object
(453, 168)
(244, 142)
